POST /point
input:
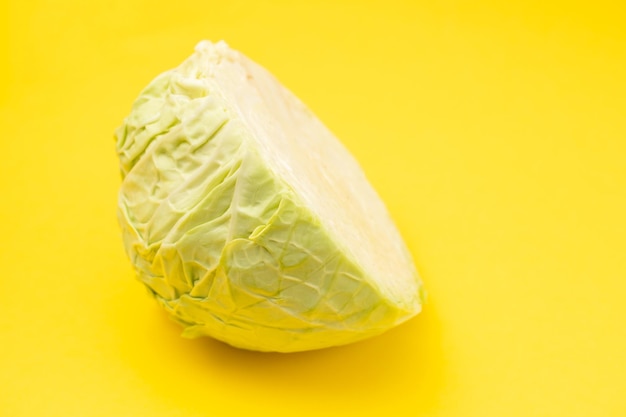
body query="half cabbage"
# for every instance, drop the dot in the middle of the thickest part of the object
(248, 220)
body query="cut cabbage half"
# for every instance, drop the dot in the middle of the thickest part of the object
(248, 220)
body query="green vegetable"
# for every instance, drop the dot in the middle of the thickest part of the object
(247, 219)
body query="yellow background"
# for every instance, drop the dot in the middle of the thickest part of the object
(494, 131)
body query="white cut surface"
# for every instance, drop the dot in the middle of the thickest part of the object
(302, 151)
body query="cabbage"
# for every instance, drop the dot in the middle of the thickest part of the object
(246, 218)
